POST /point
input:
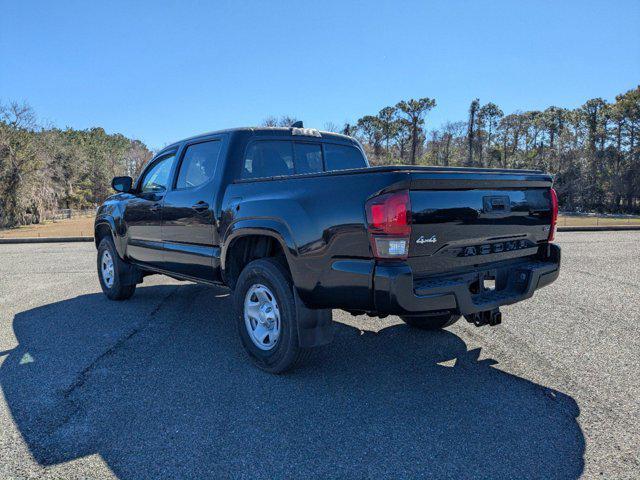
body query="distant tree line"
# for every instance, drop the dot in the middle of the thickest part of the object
(43, 169)
(593, 151)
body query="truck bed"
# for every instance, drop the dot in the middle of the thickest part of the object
(451, 227)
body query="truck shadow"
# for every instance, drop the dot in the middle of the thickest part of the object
(166, 391)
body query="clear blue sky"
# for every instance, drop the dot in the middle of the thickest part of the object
(163, 70)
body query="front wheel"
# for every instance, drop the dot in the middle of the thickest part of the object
(111, 272)
(434, 321)
(266, 316)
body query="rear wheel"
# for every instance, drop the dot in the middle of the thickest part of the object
(111, 272)
(266, 316)
(434, 321)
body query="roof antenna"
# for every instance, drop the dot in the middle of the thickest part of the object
(297, 124)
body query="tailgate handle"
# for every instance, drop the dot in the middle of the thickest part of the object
(496, 205)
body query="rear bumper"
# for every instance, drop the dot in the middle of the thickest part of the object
(396, 292)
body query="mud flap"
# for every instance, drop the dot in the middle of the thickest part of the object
(315, 327)
(131, 275)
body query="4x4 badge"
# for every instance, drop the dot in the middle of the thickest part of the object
(422, 240)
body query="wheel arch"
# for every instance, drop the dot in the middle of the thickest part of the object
(105, 227)
(250, 240)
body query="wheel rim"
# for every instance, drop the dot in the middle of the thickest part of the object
(262, 317)
(106, 269)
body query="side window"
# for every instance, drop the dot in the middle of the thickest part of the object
(308, 157)
(268, 159)
(342, 157)
(156, 178)
(198, 164)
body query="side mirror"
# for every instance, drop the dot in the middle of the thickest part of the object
(122, 184)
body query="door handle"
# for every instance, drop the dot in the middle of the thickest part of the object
(155, 207)
(201, 206)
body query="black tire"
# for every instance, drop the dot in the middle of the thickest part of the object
(117, 290)
(435, 321)
(286, 352)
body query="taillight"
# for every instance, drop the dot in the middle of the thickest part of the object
(388, 218)
(554, 213)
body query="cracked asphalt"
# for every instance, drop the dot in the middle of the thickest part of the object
(159, 387)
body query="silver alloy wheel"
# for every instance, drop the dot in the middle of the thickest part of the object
(262, 317)
(107, 269)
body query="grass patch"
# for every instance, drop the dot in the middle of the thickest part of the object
(72, 227)
(596, 220)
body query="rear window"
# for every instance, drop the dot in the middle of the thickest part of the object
(341, 157)
(280, 157)
(268, 159)
(308, 157)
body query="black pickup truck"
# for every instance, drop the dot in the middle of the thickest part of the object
(297, 223)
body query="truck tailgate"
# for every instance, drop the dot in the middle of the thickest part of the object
(461, 221)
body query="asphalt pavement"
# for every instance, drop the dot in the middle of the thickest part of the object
(159, 387)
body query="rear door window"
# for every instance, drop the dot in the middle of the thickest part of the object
(341, 157)
(308, 157)
(198, 164)
(268, 159)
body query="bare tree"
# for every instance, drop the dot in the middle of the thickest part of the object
(388, 125)
(471, 125)
(488, 117)
(18, 115)
(270, 121)
(136, 157)
(21, 159)
(332, 127)
(348, 129)
(283, 121)
(450, 132)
